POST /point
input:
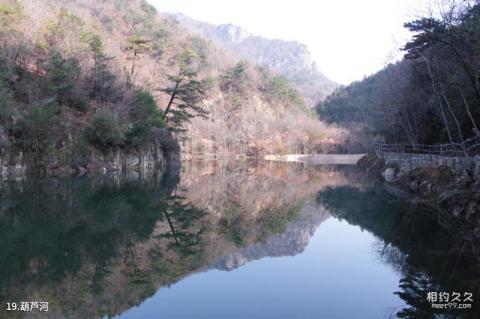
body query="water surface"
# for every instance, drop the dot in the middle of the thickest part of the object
(337, 276)
(258, 240)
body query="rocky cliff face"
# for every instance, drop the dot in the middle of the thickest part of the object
(290, 58)
(162, 151)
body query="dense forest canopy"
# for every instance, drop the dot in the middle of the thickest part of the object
(432, 95)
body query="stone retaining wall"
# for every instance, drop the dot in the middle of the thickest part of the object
(408, 162)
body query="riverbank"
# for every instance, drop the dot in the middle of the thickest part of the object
(161, 152)
(453, 187)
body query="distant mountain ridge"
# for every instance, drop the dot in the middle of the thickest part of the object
(290, 58)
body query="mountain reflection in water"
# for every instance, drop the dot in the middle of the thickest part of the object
(110, 246)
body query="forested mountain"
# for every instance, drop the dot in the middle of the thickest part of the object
(432, 95)
(289, 58)
(82, 79)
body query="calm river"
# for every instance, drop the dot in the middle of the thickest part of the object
(257, 240)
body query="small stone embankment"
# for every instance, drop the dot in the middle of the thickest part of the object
(317, 159)
(450, 184)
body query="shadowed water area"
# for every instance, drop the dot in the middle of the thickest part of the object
(255, 240)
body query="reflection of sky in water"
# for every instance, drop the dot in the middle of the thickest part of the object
(337, 276)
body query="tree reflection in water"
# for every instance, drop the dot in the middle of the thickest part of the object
(95, 247)
(68, 240)
(423, 249)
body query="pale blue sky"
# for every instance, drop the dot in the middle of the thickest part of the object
(348, 39)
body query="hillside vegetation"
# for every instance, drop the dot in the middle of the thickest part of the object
(432, 95)
(84, 76)
(289, 58)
